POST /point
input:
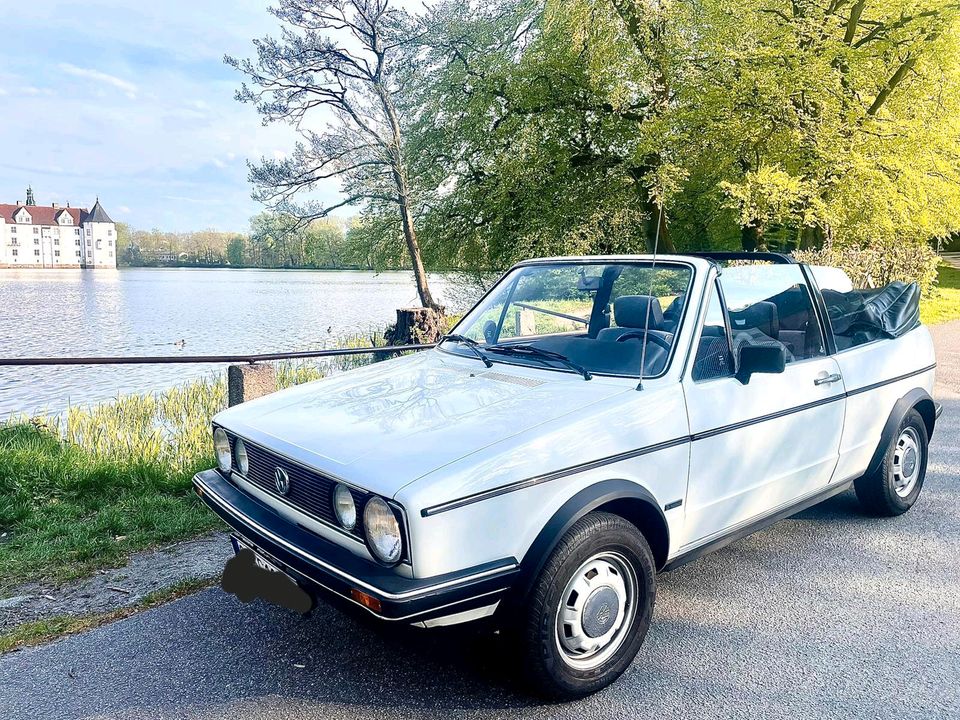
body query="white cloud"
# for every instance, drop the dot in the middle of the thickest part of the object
(124, 209)
(129, 88)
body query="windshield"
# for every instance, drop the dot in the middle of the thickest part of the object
(592, 316)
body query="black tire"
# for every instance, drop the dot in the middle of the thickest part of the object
(885, 492)
(547, 664)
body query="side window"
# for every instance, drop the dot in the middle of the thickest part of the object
(844, 307)
(770, 304)
(713, 359)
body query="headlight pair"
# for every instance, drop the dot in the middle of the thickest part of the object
(225, 459)
(380, 525)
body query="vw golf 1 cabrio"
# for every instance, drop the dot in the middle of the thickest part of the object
(589, 423)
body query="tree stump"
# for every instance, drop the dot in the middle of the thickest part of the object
(416, 326)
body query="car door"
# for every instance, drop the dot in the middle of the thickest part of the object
(760, 446)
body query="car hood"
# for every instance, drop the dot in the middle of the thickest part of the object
(386, 425)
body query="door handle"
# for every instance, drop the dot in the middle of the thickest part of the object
(827, 379)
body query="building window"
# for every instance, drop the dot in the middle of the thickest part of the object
(36, 241)
(36, 231)
(89, 232)
(15, 252)
(88, 242)
(78, 253)
(76, 231)
(56, 241)
(56, 253)
(13, 231)
(109, 243)
(98, 244)
(110, 233)
(110, 253)
(37, 253)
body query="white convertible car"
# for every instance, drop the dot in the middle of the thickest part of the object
(589, 423)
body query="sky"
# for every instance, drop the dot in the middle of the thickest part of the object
(131, 101)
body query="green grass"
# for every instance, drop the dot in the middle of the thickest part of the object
(67, 511)
(41, 631)
(944, 305)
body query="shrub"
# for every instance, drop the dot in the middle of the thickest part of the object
(876, 266)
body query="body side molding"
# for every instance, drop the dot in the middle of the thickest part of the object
(647, 449)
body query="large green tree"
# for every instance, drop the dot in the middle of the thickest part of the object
(559, 127)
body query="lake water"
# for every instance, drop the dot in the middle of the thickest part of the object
(62, 313)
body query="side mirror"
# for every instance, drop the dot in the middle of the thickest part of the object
(760, 359)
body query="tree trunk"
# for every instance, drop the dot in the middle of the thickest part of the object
(751, 238)
(661, 242)
(403, 198)
(413, 247)
(416, 326)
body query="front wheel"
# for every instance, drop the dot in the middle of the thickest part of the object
(590, 609)
(895, 486)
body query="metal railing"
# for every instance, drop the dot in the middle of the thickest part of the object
(213, 359)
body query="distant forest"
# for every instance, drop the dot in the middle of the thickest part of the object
(273, 241)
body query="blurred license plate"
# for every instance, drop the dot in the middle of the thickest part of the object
(259, 560)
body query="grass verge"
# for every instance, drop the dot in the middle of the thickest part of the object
(944, 304)
(42, 631)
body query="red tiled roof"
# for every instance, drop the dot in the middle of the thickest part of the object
(42, 214)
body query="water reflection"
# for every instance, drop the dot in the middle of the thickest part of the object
(169, 311)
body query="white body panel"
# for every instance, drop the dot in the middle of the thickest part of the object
(743, 473)
(439, 430)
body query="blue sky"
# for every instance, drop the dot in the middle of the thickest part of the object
(131, 101)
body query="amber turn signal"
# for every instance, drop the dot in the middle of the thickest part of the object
(368, 601)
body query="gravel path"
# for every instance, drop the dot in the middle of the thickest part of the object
(829, 614)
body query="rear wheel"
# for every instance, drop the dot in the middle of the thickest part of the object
(896, 484)
(590, 608)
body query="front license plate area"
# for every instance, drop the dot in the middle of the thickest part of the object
(250, 574)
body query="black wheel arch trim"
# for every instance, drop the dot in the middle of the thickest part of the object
(587, 500)
(917, 398)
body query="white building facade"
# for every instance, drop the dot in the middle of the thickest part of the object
(51, 236)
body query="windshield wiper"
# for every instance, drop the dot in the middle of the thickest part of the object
(470, 343)
(533, 351)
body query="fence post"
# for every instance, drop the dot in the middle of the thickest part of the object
(248, 382)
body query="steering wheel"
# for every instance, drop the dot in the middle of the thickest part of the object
(638, 335)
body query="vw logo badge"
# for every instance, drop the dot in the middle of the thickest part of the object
(281, 480)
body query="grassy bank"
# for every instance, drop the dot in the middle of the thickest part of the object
(82, 490)
(944, 305)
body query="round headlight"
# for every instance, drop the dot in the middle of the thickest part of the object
(344, 507)
(221, 446)
(240, 455)
(382, 530)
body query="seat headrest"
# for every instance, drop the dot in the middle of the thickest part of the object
(631, 311)
(761, 316)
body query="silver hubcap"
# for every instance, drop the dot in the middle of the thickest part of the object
(906, 462)
(596, 610)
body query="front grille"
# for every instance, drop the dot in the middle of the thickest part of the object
(310, 491)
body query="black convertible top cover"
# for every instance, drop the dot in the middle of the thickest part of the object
(889, 312)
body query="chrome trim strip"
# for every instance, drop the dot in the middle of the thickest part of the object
(410, 594)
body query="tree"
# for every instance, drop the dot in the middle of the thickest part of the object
(566, 126)
(338, 57)
(236, 251)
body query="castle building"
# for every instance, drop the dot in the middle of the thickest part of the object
(51, 236)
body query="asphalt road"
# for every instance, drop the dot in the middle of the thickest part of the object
(829, 614)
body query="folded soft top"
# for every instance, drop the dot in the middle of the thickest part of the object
(865, 315)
